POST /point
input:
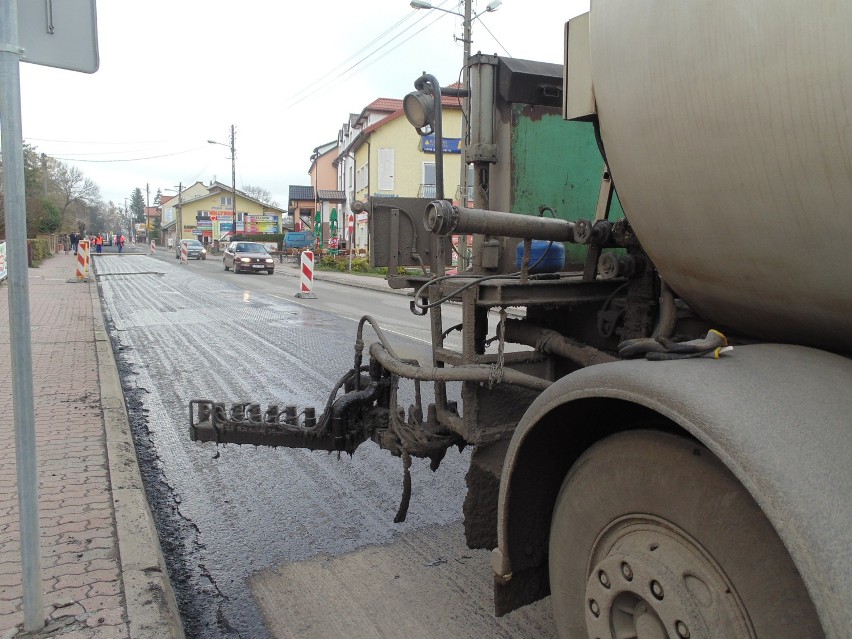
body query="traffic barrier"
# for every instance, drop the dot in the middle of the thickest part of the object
(184, 257)
(82, 273)
(153, 247)
(306, 279)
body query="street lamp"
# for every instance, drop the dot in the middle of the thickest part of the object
(492, 6)
(233, 177)
(467, 21)
(423, 110)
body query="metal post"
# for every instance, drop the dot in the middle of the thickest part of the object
(147, 213)
(19, 315)
(234, 180)
(179, 214)
(466, 34)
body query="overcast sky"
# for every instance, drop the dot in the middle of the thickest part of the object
(174, 74)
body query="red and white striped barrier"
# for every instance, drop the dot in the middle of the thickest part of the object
(82, 261)
(306, 279)
(153, 247)
(184, 257)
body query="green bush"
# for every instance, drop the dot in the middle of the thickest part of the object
(39, 250)
(327, 261)
(360, 265)
(51, 219)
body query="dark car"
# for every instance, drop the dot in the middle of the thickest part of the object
(248, 256)
(194, 249)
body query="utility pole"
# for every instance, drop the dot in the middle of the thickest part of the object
(44, 172)
(234, 179)
(179, 214)
(147, 213)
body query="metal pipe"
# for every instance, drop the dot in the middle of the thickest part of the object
(442, 218)
(466, 373)
(437, 129)
(549, 341)
(234, 182)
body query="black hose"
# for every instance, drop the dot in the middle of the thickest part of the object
(402, 511)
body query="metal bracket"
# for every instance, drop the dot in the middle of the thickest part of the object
(590, 271)
(9, 48)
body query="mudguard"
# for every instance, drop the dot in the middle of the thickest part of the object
(778, 416)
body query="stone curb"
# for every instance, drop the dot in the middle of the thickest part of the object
(152, 610)
(355, 281)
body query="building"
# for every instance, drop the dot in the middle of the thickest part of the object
(330, 207)
(152, 221)
(302, 203)
(170, 205)
(329, 219)
(380, 155)
(205, 213)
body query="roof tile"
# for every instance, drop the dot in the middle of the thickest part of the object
(301, 192)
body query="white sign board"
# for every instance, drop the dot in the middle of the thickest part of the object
(59, 33)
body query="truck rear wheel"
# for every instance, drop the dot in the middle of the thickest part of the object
(653, 537)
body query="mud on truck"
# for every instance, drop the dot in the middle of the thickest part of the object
(665, 449)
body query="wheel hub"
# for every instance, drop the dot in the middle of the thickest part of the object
(651, 580)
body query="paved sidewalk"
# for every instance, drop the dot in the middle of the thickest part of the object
(102, 570)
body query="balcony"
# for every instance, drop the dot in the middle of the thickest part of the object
(426, 190)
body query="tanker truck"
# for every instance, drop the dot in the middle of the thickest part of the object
(661, 421)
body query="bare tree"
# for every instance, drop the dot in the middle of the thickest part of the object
(260, 194)
(74, 187)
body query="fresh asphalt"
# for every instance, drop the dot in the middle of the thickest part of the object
(226, 514)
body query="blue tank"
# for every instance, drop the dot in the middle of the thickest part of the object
(551, 254)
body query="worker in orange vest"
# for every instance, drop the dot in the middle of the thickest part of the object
(99, 243)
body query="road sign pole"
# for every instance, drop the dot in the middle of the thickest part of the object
(350, 240)
(21, 361)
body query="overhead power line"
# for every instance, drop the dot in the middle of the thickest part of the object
(318, 85)
(151, 157)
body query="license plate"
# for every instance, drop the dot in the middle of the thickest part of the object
(258, 266)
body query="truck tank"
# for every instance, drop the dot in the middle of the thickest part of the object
(728, 132)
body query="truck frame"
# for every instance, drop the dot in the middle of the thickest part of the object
(624, 461)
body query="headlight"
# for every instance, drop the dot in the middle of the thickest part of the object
(204, 251)
(269, 260)
(245, 259)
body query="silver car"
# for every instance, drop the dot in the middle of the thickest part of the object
(194, 250)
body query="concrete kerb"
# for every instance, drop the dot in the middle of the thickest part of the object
(152, 610)
(347, 279)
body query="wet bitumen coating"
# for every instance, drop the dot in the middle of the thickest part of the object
(225, 513)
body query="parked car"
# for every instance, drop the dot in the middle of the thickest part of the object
(248, 256)
(194, 249)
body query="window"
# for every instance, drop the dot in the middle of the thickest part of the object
(225, 200)
(427, 184)
(361, 178)
(386, 182)
(202, 215)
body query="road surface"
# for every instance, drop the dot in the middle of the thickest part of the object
(240, 523)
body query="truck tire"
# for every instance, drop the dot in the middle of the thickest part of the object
(653, 536)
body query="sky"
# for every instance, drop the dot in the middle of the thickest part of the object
(175, 74)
